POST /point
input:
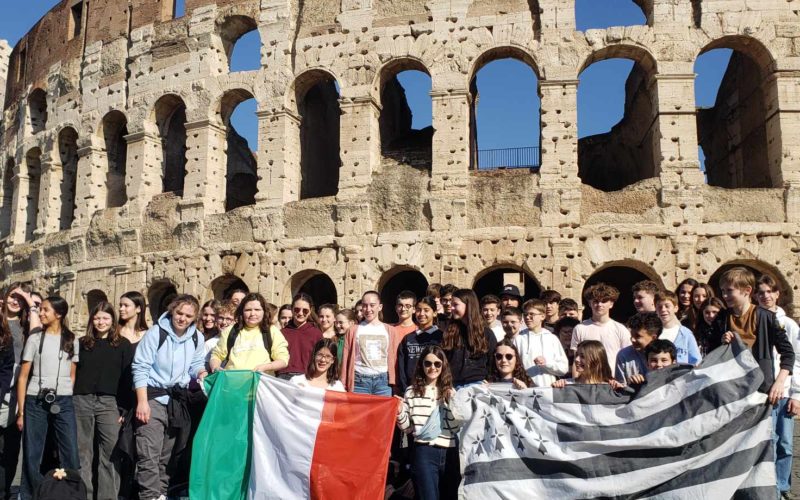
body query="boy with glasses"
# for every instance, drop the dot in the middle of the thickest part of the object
(404, 307)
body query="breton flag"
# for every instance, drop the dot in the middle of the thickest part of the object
(688, 434)
(265, 438)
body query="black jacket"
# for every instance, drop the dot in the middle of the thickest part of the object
(470, 368)
(769, 334)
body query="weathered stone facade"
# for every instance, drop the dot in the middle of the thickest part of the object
(94, 123)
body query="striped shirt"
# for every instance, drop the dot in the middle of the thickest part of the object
(416, 410)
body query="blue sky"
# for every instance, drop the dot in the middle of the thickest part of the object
(508, 109)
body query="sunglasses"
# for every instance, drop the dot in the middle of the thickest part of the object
(435, 364)
(499, 357)
(301, 310)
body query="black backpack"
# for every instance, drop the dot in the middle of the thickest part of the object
(69, 488)
(163, 334)
(265, 336)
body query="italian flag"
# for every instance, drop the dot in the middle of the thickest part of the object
(265, 438)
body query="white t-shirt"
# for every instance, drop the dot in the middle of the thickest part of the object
(372, 349)
(613, 335)
(498, 331)
(54, 365)
(302, 381)
(670, 333)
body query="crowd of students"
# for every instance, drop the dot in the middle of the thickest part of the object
(121, 403)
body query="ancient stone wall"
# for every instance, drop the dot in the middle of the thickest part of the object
(425, 212)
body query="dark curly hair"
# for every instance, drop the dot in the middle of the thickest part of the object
(445, 381)
(519, 370)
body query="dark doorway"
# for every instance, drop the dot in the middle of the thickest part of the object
(321, 289)
(492, 283)
(622, 278)
(411, 280)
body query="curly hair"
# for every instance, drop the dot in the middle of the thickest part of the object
(519, 370)
(445, 381)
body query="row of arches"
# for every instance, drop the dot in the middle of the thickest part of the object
(322, 289)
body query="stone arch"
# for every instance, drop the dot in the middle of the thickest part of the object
(491, 280)
(169, 113)
(112, 131)
(622, 275)
(620, 15)
(231, 29)
(396, 280)
(316, 98)
(221, 286)
(758, 268)
(68, 156)
(314, 283)
(94, 297)
(7, 201)
(241, 172)
(159, 295)
(630, 151)
(739, 135)
(37, 110)
(32, 171)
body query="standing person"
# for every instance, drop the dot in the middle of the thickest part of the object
(685, 344)
(564, 329)
(705, 327)
(507, 366)
(684, 293)
(301, 333)
(284, 316)
(226, 316)
(20, 315)
(236, 296)
(510, 297)
(252, 342)
(551, 299)
(369, 360)
(613, 335)
(435, 290)
(49, 360)
(700, 294)
(326, 315)
(511, 319)
(169, 356)
(767, 293)
(104, 356)
(467, 343)
(644, 296)
(427, 334)
(490, 310)
(322, 371)
(208, 325)
(404, 307)
(568, 308)
(541, 354)
(424, 411)
(345, 320)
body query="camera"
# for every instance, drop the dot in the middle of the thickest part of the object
(47, 395)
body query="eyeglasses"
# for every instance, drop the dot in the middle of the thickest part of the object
(405, 307)
(301, 310)
(323, 357)
(224, 320)
(435, 364)
(499, 356)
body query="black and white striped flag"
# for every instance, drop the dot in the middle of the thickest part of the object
(687, 434)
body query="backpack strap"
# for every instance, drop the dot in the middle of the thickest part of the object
(231, 341)
(267, 338)
(162, 337)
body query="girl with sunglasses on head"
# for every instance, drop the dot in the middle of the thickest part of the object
(302, 333)
(322, 371)
(424, 411)
(507, 366)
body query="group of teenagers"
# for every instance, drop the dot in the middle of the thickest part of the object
(121, 403)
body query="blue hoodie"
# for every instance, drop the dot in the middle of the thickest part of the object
(686, 348)
(177, 362)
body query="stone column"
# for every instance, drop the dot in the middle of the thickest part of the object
(50, 201)
(783, 108)
(451, 159)
(143, 176)
(205, 183)
(278, 158)
(91, 190)
(360, 145)
(19, 205)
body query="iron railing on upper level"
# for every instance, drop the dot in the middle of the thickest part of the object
(492, 159)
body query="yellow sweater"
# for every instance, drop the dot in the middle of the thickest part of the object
(248, 351)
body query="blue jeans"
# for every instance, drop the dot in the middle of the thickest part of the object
(782, 436)
(436, 472)
(37, 420)
(377, 385)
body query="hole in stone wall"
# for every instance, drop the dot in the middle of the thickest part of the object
(394, 282)
(94, 297)
(594, 14)
(114, 130)
(159, 296)
(317, 94)
(622, 278)
(170, 114)
(318, 286)
(68, 154)
(33, 171)
(8, 198)
(238, 113)
(241, 42)
(37, 111)
(75, 20)
(492, 281)
(616, 123)
(406, 116)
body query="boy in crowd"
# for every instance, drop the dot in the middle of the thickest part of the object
(551, 299)
(564, 329)
(612, 334)
(767, 293)
(660, 354)
(404, 307)
(645, 329)
(435, 290)
(511, 318)
(446, 299)
(510, 297)
(568, 308)
(644, 295)
(490, 309)
(686, 348)
(541, 352)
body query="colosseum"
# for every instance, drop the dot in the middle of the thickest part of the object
(122, 170)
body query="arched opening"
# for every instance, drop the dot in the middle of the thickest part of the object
(114, 129)
(622, 277)
(395, 281)
(33, 170)
(94, 297)
(317, 97)
(159, 297)
(505, 116)
(241, 42)
(758, 269)
(37, 111)
(734, 128)
(591, 14)
(68, 154)
(491, 282)
(238, 114)
(406, 113)
(617, 120)
(8, 198)
(316, 284)
(222, 286)
(170, 115)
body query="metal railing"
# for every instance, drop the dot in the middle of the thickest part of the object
(492, 159)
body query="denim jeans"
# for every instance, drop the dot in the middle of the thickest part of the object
(782, 436)
(37, 420)
(377, 385)
(436, 472)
